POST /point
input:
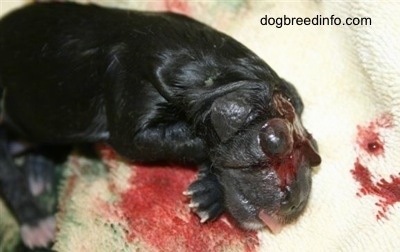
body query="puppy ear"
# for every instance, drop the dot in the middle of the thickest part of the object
(229, 113)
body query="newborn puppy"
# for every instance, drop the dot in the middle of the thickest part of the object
(157, 87)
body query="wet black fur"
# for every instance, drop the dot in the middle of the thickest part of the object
(157, 87)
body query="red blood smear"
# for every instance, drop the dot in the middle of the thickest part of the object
(388, 192)
(177, 6)
(286, 167)
(368, 137)
(157, 213)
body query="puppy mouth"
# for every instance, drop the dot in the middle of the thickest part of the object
(271, 221)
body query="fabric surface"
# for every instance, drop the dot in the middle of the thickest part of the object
(349, 79)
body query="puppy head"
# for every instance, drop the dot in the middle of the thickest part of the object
(264, 157)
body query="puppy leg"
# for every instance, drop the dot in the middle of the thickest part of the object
(37, 228)
(177, 143)
(206, 195)
(174, 142)
(206, 192)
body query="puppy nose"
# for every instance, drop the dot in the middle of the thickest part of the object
(291, 202)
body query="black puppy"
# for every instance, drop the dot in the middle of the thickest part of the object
(157, 87)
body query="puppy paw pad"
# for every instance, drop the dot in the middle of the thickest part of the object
(39, 235)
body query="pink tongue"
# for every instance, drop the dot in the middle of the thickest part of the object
(270, 222)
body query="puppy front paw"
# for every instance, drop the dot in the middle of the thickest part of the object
(39, 235)
(206, 197)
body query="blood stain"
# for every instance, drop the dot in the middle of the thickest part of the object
(368, 137)
(388, 192)
(370, 140)
(157, 213)
(177, 6)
